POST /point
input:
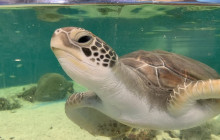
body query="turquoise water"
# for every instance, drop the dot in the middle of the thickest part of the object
(193, 31)
(25, 34)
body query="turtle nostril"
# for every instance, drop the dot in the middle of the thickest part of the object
(57, 31)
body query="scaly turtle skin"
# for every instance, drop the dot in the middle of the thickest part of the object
(155, 90)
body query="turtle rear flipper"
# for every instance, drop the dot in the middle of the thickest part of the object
(78, 109)
(185, 97)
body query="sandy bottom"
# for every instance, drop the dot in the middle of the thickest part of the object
(48, 121)
(39, 121)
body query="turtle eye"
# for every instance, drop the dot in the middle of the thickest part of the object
(84, 39)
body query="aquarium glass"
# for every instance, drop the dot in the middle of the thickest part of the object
(26, 56)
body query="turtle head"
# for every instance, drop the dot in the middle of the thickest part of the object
(82, 55)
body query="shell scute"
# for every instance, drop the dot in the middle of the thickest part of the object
(150, 73)
(168, 79)
(167, 70)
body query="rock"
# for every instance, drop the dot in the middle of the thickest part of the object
(164, 136)
(173, 133)
(29, 94)
(137, 134)
(215, 125)
(8, 104)
(52, 86)
(202, 132)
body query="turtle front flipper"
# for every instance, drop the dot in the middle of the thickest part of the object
(83, 99)
(205, 95)
(79, 109)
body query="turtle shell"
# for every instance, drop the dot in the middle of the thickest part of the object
(167, 70)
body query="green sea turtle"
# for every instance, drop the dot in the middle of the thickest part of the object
(143, 89)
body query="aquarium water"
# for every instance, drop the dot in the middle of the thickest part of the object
(25, 56)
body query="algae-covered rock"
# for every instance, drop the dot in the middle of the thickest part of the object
(52, 86)
(137, 134)
(29, 94)
(202, 132)
(8, 104)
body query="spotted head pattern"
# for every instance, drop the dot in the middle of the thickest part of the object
(101, 53)
(95, 49)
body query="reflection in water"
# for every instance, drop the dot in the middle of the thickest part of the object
(97, 1)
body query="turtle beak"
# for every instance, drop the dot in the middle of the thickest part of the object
(67, 52)
(62, 46)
